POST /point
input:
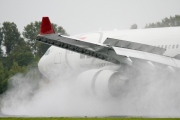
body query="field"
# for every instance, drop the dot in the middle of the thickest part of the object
(11, 118)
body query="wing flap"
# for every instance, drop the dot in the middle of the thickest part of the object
(147, 56)
(134, 46)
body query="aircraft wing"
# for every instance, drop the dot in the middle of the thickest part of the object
(108, 52)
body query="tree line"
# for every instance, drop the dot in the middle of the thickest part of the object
(166, 22)
(21, 50)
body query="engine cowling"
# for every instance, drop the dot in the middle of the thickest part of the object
(103, 82)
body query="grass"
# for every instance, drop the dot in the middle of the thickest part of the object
(54, 118)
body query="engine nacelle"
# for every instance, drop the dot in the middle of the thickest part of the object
(102, 82)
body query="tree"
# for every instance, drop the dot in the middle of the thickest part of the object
(11, 36)
(31, 31)
(16, 69)
(166, 22)
(3, 82)
(22, 54)
(1, 38)
(134, 26)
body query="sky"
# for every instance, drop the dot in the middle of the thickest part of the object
(80, 16)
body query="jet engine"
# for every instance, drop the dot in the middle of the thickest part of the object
(103, 82)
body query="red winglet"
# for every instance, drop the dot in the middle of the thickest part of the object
(46, 27)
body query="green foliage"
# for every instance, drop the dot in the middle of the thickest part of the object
(134, 26)
(11, 36)
(24, 59)
(16, 50)
(18, 54)
(3, 82)
(59, 29)
(21, 53)
(1, 38)
(31, 31)
(166, 22)
(16, 69)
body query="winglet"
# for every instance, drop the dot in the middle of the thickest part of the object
(46, 27)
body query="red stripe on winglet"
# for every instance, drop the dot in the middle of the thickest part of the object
(46, 27)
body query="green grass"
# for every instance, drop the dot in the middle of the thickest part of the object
(12, 118)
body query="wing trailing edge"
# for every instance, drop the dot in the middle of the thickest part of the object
(134, 46)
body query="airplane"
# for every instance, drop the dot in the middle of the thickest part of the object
(109, 58)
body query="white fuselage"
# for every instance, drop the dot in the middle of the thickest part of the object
(59, 59)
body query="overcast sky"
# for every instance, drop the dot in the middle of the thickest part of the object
(78, 16)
